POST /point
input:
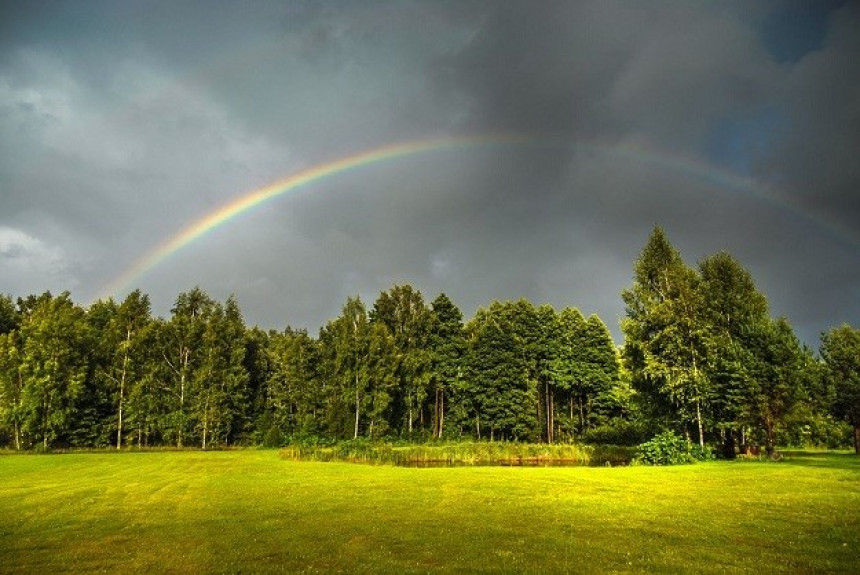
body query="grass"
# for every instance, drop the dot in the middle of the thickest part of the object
(251, 511)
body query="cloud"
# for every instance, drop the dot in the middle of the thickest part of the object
(123, 123)
(30, 265)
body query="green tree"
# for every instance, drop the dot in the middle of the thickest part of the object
(347, 373)
(665, 334)
(293, 389)
(53, 365)
(220, 379)
(121, 348)
(501, 391)
(840, 349)
(777, 367)
(181, 350)
(407, 318)
(149, 398)
(733, 308)
(448, 346)
(11, 386)
(9, 318)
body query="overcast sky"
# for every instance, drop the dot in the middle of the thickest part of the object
(733, 125)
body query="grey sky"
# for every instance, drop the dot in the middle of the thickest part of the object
(734, 125)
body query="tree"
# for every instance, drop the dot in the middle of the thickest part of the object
(568, 366)
(732, 309)
(293, 390)
(9, 318)
(122, 334)
(776, 367)
(53, 365)
(448, 345)
(500, 388)
(181, 346)
(840, 349)
(219, 381)
(666, 337)
(349, 369)
(587, 368)
(11, 385)
(407, 318)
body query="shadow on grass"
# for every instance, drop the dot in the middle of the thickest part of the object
(829, 460)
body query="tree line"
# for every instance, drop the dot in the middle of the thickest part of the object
(702, 357)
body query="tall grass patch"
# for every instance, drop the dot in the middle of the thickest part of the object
(460, 453)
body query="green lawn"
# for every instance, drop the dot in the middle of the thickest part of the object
(250, 511)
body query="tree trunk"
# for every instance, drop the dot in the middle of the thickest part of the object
(581, 417)
(570, 402)
(17, 412)
(729, 444)
(548, 416)
(436, 414)
(857, 439)
(409, 418)
(357, 405)
(122, 389)
(441, 411)
(184, 356)
(205, 418)
(699, 421)
(768, 431)
(45, 423)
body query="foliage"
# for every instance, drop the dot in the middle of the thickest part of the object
(702, 356)
(840, 348)
(667, 448)
(616, 432)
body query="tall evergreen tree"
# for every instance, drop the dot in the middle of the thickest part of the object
(776, 368)
(733, 310)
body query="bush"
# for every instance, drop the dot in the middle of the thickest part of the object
(667, 448)
(806, 428)
(700, 453)
(616, 432)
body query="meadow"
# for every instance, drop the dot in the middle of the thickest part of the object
(253, 511)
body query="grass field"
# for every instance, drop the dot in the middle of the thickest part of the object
(250, 511)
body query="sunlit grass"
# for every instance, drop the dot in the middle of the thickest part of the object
(252, 511)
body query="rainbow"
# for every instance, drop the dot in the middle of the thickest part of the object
(313, 174)
(689, 167)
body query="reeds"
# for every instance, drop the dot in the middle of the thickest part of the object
(461, 453)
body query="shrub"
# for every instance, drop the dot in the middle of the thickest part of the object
(616, 432)
(667, 448)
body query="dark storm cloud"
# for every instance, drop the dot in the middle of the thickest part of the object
(124, 122)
